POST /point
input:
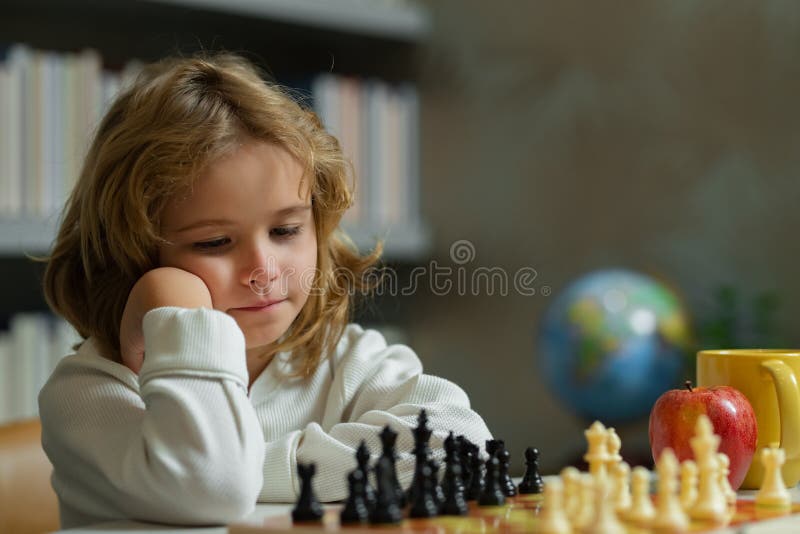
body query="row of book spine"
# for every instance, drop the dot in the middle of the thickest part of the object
(29, 351)
(377, 125)
(51, 103)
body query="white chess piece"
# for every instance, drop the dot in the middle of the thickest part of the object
(670, 517)
(641, 511)
(773, 492)
(570, 478)
(613, 444)
(597, 454)
(724, 483)
(688, 484)
(552, 519)
(710, 505)
(621, 495)
(605, 518)
(584, 512)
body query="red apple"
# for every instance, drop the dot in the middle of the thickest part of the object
(673, 417)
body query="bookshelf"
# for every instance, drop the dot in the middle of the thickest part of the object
(366, 39)
(371, 41)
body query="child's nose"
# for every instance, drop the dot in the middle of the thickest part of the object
(260, 265)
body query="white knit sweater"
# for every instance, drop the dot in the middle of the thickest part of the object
(183, 442)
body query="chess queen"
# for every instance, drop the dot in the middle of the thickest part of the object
(201, 261)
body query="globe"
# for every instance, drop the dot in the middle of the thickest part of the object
(612, 342)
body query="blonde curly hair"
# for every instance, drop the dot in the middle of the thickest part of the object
(178, 116)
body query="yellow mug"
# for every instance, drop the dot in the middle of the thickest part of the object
(768, 378)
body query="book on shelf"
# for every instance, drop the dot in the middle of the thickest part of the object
(52, 102)
(377, 125)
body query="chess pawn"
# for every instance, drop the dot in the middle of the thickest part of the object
(532, 480)
(584, 507)
(552, 516)
(724, 484)
(773, 492)
(710, 505)
(506, 483)
(570, 480)
(688, 493)
(597, 454)
(621, 495)
(669, 517)
(641, 512)
(605, 517)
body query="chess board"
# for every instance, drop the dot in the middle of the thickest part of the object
(518, 515)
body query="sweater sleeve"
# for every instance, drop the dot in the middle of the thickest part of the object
(181, 444)
(374, 385)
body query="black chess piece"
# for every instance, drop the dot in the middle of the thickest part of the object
(492, 446)
(436, 488)
(307, 507)
(464, 457)
(424, 503)
(362, 458)
(388, 438)
(386, 510)
(452, 455)
(506, 483)
(475, 489)
(532, 481)
(355, 509)
(422, 435)
(453, 485)
(492, 492)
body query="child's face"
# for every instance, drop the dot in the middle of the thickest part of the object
(258, 245)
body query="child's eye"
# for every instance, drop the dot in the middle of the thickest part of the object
(208, 245)
(286, 231)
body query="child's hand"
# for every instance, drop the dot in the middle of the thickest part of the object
(164, 286)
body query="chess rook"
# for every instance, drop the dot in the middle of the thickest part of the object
(773, 492)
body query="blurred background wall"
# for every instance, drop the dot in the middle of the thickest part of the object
(562, 136)
(572, 136)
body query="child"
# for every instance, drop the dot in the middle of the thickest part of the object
(199, 261)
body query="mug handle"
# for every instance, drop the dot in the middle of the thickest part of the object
(788, 405)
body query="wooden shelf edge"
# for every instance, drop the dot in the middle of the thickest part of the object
(406, 21)
(402, 242)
